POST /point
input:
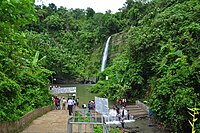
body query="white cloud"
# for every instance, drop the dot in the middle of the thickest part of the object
(96, 5)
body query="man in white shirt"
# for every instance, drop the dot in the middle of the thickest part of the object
(70, 106)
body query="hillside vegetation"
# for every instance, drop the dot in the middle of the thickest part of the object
(161, 60)
(155, 55)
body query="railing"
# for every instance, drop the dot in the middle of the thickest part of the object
(85, 123)
(142, 105)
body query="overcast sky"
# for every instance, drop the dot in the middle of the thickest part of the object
(96, 5)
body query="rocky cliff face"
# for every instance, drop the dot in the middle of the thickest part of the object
(117, 45)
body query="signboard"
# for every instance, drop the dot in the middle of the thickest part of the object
(64, 90)
(101, 105)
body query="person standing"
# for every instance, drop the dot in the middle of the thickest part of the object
(77, 101)
(128, 115)
(123, 111)
(56, 103)
(92, 105)
(64, 101)
(74, 100)
(89, 107)
(70, 106)
(120, 102)
(53, 101)
(124, 102)
(118, 114)
(122, 122)
(52, 98)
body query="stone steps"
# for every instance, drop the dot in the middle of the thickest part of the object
(136, 111)
(133, 108)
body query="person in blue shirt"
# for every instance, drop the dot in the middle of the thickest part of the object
(89, 107)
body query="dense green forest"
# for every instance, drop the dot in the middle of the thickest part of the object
(160, 60)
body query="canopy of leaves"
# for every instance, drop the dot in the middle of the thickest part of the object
(24, 82)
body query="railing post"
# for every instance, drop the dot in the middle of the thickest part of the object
(80, 128)
(69, 126)
(91, 120)
(105, 128)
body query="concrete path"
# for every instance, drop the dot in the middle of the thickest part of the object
(53, 122)
(56, 121)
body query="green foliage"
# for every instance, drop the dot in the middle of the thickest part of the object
(162, 56)
(68, 39)
(10, 99)
(99, 129)
(24, 82)
(195, 112)
(163, 48)
(159, 53)
(120, 76)
(83, 117)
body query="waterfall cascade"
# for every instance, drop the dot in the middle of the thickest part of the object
(105, 54)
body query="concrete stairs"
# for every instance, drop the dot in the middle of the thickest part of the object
(136, 111)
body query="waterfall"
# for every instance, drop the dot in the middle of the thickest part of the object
(105, 54)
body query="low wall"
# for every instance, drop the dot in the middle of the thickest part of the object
(24, 121)
(142, 105)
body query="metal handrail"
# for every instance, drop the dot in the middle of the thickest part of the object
(71, 122)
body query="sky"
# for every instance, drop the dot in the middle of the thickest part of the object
(96, 5)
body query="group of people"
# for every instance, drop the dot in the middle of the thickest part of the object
(91, 105)
(121, 116)
(121, 113)
(122, 102)
(57, 102)
(62, 103)
(72, 103)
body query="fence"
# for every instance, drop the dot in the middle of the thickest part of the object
(24, 121)
(85, 121)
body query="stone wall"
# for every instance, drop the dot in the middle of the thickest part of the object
(24, 121)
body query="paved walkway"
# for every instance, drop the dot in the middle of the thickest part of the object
(53, 122)
(56, 121)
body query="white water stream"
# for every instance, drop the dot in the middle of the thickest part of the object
(105, 55)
